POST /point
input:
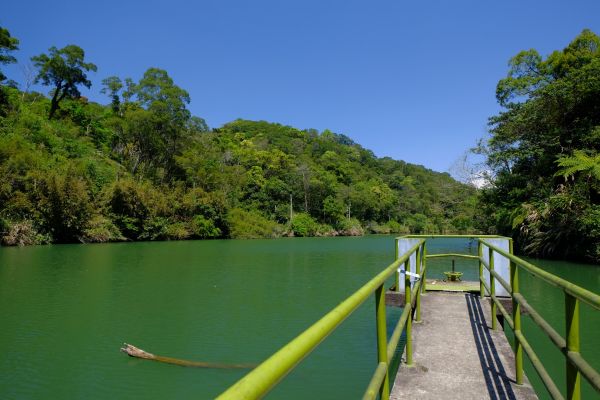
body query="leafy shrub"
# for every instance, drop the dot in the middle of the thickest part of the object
(101, 229)
(177, 231)
(210, 205)
(419, 223)
(155, 228)
(250, 225)
(18, 205)
(160, 228)
(325, 230)
(304, 225)
(374, 227)
(333, 209)
(22, 233)
(461, 224)
(4, 226)
(590, 224)
(350, 227)
(65, 206)
(204, 228)
(127, 204)
(396, 227)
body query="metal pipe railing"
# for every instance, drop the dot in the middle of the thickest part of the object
(582, 294)
(263, 378)
(419, 262)
(539, 367)
(424, 271)
(376, 382)
(384, 388)
(477, 237)
(576, 365)
(408, 304)
(457, 255)
(497, 276)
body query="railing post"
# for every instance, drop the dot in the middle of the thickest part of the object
(423, 282)
(516, 315)
(384, 391)
(572, 325)
(492, 287)
(408, 303)
(419, 260)
(481, 287)
(397, 272)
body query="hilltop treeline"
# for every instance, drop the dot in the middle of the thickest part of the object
(544, 151)
(143, 168)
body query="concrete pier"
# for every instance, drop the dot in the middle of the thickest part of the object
(457, 355)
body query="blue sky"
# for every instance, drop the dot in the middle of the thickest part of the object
(411, 80)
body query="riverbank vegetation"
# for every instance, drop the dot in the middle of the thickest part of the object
(544, 152)
(144, 168)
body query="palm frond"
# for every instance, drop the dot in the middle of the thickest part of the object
(579, 162)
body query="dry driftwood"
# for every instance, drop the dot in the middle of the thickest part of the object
(133, 351)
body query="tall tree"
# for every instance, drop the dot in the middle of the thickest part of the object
(112, 87)
(166, 102)
(129, 90)
(63, 69)
(157, 92)
(7, 44)
(550, 127)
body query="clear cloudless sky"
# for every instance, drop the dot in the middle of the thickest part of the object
(413, 80)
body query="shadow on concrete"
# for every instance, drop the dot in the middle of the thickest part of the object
(497, 382)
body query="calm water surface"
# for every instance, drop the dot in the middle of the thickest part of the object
(65, 310)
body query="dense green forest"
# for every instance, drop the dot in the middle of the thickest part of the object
(544, 152)
(143, 168)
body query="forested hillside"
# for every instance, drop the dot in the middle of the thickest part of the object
(544, 152)
(143, 168)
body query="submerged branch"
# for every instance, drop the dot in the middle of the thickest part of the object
(133, 351)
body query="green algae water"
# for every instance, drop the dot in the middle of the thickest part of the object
(66, 309)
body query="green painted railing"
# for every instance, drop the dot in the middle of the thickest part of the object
(576, 365)
(263, 378)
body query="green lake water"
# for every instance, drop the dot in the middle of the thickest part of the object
(66, 309)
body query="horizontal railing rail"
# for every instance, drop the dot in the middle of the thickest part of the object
(263, 378)
(476, 237)
(452, 255)
(576, 365)
(585, 295)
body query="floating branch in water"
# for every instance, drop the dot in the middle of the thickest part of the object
(133, 351)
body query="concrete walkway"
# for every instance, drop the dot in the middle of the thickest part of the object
(457, 355)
